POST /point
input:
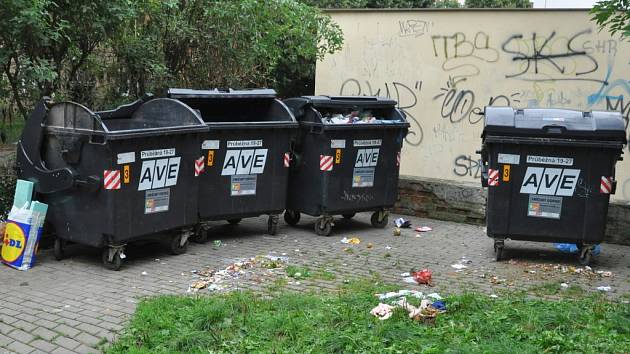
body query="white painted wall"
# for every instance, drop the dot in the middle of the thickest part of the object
(445, 66)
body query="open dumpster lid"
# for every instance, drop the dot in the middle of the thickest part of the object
(349, 101)
(554, 123)
(221, 93)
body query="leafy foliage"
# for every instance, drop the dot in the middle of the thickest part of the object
(102, 53)
(348, 4)
(499, 4)
(614, 15)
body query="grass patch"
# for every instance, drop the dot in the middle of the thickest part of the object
(341, 323)
(297, 272)
(554, 288)
(325, 275)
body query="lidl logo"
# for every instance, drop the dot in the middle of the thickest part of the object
(13, 242)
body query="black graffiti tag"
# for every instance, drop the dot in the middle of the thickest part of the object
(541, 50)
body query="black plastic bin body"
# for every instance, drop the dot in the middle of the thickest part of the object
(550, 173)
(341, 169)
(116, 176)
(245, 152)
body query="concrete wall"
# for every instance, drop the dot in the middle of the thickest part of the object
(443, 67)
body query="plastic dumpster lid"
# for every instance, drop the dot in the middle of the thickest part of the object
(560, 123)
(221, 93)
(345, 101)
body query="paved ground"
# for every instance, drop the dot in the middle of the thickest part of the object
(76, 306)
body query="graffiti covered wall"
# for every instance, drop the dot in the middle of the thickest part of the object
(443, 67)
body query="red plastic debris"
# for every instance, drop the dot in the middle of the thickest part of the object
(422, 276)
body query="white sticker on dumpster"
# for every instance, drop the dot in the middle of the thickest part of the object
(159, 173)
(363, 177)
(338, 144)
(244, 143)
(151, 154)
(242, 185)
(244, 162)
(544, 206)
(367, 158)
(157, 200)
(210, 145)
(126, 157)
(509, 159)
(371, 142)
(549, 160)
(550, 181)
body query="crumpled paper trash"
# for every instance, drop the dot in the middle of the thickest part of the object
(383, 311)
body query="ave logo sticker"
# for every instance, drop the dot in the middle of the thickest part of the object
(550, 181)
(244, 162)
(159, 173)
(367, 158)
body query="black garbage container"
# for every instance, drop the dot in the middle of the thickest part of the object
(347, 158)
(550, 174)
(245, 164)
(115, 176)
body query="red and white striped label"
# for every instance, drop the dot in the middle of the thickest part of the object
(605, 185)
(111, 179)
(493, 177)
(199, 165)
(325, 163)
(287, 159)
(398, 158)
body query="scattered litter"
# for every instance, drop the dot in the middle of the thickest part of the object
(493, 296)
(396, 231)
(410, 280)
(144, 273)
(216, 244)
(388, 247)
(257, 268)
(458, 266)
(423, 229)
(439, 305)
(417, 235)
(370, 245)
(604, 288)
(435, 296)
(400, 293)
(423, 276)
(573, 248)
(383, 311)
(564, 285)
(351, 241)
(543, 270)
(426, 312)
(406, 274)
(402, 223)
(604, 274)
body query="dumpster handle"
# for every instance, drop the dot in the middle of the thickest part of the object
(29, 160)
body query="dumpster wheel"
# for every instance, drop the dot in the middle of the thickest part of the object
(272, 225)
(234, 221)
(349, 215)
(379, 219)
(201, 234)
(291, 217)
(323, 226)
(179, 244)
(59, 249)
(586, 255)
(499, 245)
(116, 254)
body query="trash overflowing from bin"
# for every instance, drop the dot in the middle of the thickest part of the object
(429, 308)
(357, 117)
(257, 269)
